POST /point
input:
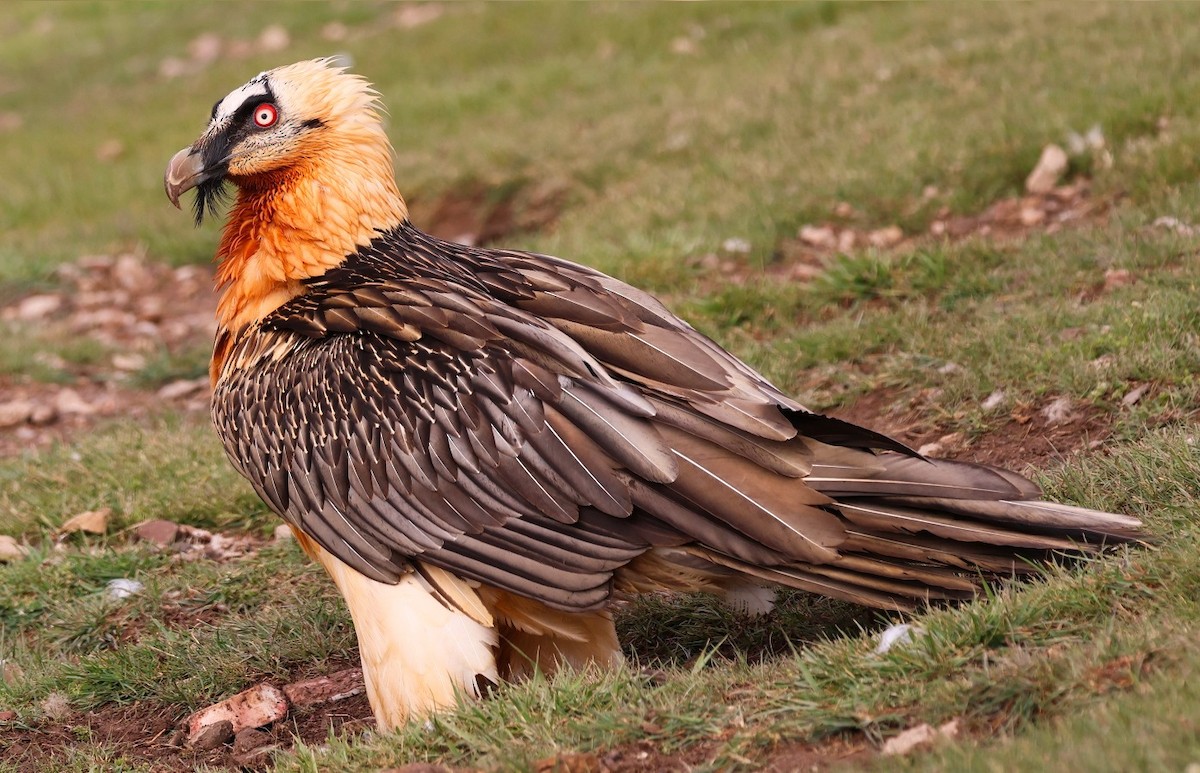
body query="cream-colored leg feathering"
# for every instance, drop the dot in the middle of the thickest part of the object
(534, 637)
(418, 655)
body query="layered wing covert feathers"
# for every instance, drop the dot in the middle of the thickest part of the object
(535, 426)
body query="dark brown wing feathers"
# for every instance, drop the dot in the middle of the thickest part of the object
(534, 425)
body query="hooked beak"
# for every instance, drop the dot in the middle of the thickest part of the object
(184, 172)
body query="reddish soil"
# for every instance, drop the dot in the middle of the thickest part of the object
(145, 733)
(1025, 439)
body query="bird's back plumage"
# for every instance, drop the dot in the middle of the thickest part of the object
(535, 426)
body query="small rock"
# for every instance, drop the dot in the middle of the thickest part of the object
(91, 521)
(260, 705)
(949, 367)
(68, 401)
(240, 49)
(412, 15)
(15, 412)
(10, 672)
(8, 716)
(1031, 216)
(334, 31)
(818, 236)
(1049, 169)
(1176, 225)
(993, 401)
(10, 549)
(1117, 277)
(736, 245)
(274, 38)
(282, 533)
(1058, 411)
(157, 531)
(109, 150)
(684, 45)
(122, 588)
(205, 49)
(128, 362)
(933, 449)
(1132, 397)
(42, 415)
(883, 238)
(916, 737)
(846, 241)
(212, 736)
(172, 67)
(250, 738)
(184, 388)
(844, 209)
(38, 306)
(326, 689)
(56, 706)
(570, 763)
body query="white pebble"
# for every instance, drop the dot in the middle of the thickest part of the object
(122, 588)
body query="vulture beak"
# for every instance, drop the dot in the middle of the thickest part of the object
(185, 172)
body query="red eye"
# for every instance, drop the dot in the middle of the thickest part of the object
(265, 115)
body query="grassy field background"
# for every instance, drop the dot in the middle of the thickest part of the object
(682, 148)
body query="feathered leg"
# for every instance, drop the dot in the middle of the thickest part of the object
(534, 637)
(419, 654)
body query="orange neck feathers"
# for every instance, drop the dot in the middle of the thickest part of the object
(298, 222)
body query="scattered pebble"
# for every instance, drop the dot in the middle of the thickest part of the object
(34, 307)
(56, 706)
(122, 588)
(412, 15)
(1177, 225)
(90, 521)
(818, 236)
(1049, 170)
(684, 45)
(69, 401)
(273, 39)
(109, 150)
(1134, 395)
(157, 531)
(334, 31)
(919, 736)
(282, 533)
(1058, 411)
(15, 412)
(8, 716)
(213, 736)
(205, 48)
(736, 245)
(184, 388)
(259, 706)
(1117, 277)
(325, 689)
(884, 238)
(11, 550)
(993, 401)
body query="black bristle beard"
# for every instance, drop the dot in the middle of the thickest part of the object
(210, 195)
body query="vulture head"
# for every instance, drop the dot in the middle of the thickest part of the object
(284, 125)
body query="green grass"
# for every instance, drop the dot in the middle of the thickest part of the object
(777, 114)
